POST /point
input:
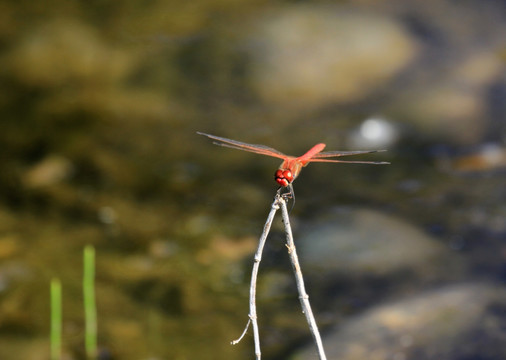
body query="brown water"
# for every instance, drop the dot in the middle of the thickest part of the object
(100, 108)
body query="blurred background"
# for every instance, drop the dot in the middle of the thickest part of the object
(100, 103)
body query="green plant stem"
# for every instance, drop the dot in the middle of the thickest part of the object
(90, 310)
(56, 319)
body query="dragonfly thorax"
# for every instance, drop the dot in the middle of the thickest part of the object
(283, 177)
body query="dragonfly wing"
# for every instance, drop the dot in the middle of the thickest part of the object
(327, 154)
(239, 145)
(350, 161)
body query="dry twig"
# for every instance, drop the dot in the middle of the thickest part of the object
(280, 200)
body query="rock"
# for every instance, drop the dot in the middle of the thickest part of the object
(51, 170)
(363, 241)
(452, 104)
(311, 55)
(431, 325)
(66, 52)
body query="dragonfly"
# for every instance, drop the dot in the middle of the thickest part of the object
(291, 166)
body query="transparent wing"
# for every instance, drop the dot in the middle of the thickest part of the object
(254, 148)
(351, 161)
(327, 154)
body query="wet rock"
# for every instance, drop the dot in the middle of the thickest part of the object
(436, 324)
(51, 170)
(362, 241)
(309, 56)
(78, 70)
(489, 156)
(12, 273)
(9, 246)
(450, 104)
(63, 52)
(446, 111)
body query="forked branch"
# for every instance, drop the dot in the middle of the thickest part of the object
(280, 200)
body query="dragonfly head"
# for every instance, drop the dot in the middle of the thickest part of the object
(283, 177)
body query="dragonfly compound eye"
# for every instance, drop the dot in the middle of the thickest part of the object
(283, 177)
(287, 174)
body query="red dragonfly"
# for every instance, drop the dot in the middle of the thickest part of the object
(291, 166)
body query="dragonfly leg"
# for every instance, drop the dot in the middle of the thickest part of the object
(287, 194)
